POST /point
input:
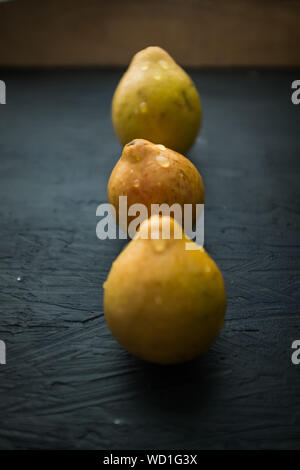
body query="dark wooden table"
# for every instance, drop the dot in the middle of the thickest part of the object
(67, 383)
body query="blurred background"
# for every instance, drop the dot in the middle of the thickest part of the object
(210, 33)
(67, 383)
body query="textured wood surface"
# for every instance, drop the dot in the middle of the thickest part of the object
(67, 383)
(196, 33)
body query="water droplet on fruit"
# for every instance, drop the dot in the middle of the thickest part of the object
(145, 67)
(156, 76)
(162, 161)
(207, 268)
(143, 107)
(159, 245)
(163, 64)
(161, 147)
(136, 184)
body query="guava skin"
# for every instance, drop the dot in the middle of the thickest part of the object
(153, 174)
(163, 303)
(156, 100)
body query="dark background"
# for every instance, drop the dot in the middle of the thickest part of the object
(67, 383)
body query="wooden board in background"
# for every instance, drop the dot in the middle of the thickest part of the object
(196, 33)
